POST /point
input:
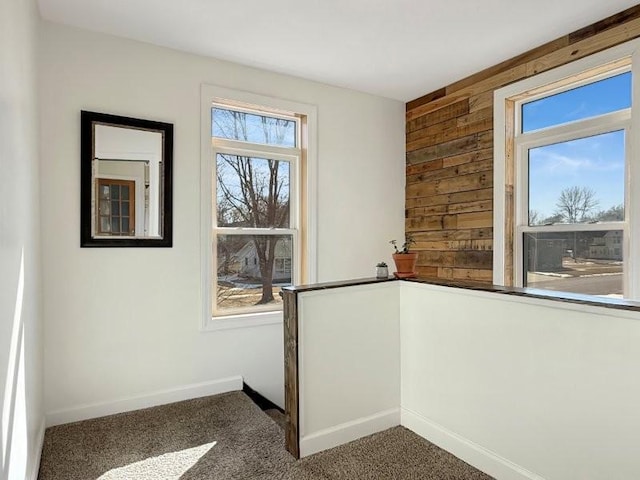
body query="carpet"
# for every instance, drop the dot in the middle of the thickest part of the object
(228, 437)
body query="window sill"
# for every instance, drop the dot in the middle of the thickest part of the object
(245, 320)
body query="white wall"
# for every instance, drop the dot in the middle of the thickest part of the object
(349, 364)
(123, 322)
(522, 388)
(21, 408)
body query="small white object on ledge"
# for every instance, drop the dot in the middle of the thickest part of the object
(382, 271)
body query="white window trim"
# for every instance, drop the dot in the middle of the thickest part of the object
(629, 49)
(210, 94)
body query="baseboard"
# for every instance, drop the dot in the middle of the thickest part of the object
(472, 453)
(162, 397)
(36, 455)
(349, 431)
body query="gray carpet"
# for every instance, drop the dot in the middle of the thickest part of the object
(228, 437)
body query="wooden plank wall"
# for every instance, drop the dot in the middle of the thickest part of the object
(449, 145)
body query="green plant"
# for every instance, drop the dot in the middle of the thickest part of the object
(408, 241)
(381, 264)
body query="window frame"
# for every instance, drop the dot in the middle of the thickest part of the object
(511, 148)
(302, 180)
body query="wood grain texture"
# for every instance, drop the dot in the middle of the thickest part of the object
(507, 65)
(470, 143)
(454, 171)
(428, 98)
(509, 200)
(449, 155)
(451, 198)
(612, 21)
(451, 111)
(447, 132)
(291, 391)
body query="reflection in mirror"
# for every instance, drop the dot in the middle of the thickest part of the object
(126, 181)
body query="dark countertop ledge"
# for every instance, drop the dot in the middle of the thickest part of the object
(576, 298)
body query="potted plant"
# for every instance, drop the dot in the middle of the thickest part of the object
(382, 271)
(404, 259)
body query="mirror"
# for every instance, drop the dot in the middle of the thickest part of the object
(125, 193)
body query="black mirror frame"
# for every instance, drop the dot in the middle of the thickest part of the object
(87, 120)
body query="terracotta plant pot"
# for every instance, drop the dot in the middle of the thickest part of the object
(405, 265)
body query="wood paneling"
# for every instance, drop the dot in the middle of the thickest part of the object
(428, 98)
(612, 21)
(471, 143)
(451, 111)
(449, 161)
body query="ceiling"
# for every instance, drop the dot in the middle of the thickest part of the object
(400, 49)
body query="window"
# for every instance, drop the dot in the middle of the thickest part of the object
(257, 208)
(116, 207)
(257, 160)
(569, 223)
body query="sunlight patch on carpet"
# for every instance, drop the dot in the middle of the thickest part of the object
(170, 466)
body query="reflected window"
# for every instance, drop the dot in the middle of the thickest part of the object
(116, 207)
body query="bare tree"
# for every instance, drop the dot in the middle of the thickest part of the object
(575, 203)
(253, 192)
(534, 217)
(613, 214)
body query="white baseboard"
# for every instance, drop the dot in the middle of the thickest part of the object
(472, 453)
(185, 392)
(37, 453)
(349, 431)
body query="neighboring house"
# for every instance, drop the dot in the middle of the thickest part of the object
(545, 254)
(607, 247)
(247, 264)
(547, 249)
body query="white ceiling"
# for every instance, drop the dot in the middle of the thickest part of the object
(400, 49)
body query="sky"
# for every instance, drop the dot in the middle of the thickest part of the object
(253, 128)
(594, 162)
